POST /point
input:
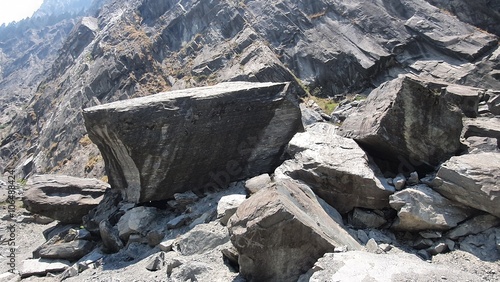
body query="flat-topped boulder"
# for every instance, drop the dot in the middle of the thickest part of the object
(207, 137)
(64, 198)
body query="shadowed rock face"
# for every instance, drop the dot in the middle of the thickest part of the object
(197, 138)
(407, 118)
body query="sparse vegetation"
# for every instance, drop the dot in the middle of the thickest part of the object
(317, 15)
(328, 105)
(85, 140)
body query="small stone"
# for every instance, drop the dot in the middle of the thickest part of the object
(413, 179)
(423, 254)
(422, 243)
(32, 267)
(227, 207)
(204, 218)
(361, 218)
(385, 247)
(178, 221)
(380, 237)
(136, 238)
(372, 247)
(256, 183)
(231, 254)
(341, 249)
(430, 234)
(171, 264)
(71, 271)
(399, 182)
(166, 246)
(437, 249)
(71, 251)
(450, 244)
(154, 237)
(362, 236)
(110, 239)
(156, 262)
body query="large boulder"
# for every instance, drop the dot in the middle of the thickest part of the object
(206, 137)
(62, 197)
(473, 180)
(421, 208)
(407, 118)
(282, 230)
(336, 168)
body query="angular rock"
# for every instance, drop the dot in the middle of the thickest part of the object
(466, 98)
(32, 267)
(256, 183)
(360, 218)
(483, 127)
(473, 180)
(110, 238)
(167, 245)
(494, 104)
(108, 209)
(156, 262)
(281, 231)
(202, 238)
(135, 221)
(182, 200)
(71, 251)
(482, 245)
(336, 168)
(406, 119)
(63, 198)
(157, 146)
(227, 206)
(421, 208)
(178, 221)
(474, 225)
(372, 247)
(482, 144)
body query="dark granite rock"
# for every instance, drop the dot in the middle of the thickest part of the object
(197, 138)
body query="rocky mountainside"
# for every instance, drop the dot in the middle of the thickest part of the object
(255, 140)
(136, 48)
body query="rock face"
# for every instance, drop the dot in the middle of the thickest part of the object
(168, 143)
(63, 198)
(406, 118)
(467, 180)
(281, 231)
(421, 208)
(336, 168)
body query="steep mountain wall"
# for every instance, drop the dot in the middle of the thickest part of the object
(140, 47)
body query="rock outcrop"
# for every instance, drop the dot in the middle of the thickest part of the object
(281, 231)
(406, 119)
(473, 180)
(336, 168)
(168, 143)
(63, 198)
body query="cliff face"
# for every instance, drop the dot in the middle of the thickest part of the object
(135, 48)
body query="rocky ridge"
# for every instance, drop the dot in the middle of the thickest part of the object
(418, 181)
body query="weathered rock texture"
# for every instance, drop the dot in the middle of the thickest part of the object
(61, 197)
(281, 231)
(406, 118)
(336, 168)
(473, 180)
(207, 137)
(421, 208)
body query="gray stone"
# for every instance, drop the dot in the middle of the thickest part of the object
(413, 179)
(430, 234)
(399, 182)
(182, 200)
(365, 266)
(71, 251)
(154, 237)
(437, 248)
(256, 183)
(360, 218)
(481, 144)
(450, 244)
(63, 198)
(231, 254)
(32, 267)
(494, 104)
(135, 221)
(167, 245)
(178, 221)
(227, 206)
(404, 119)
(482, 127)
(372, 247)
(71, 271)
(135, 148)
(204, 218)
(202, 238)
(110, 238)
(466, 98)
(336, 168)
(362, 236)
(467, 179)
(156, 262)
(106, 210)
(421, 208)
(309, 115)
(482, 245)
(381, 236)
(422, 243)
(474, 225)
(385, 247)
(281, 231)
